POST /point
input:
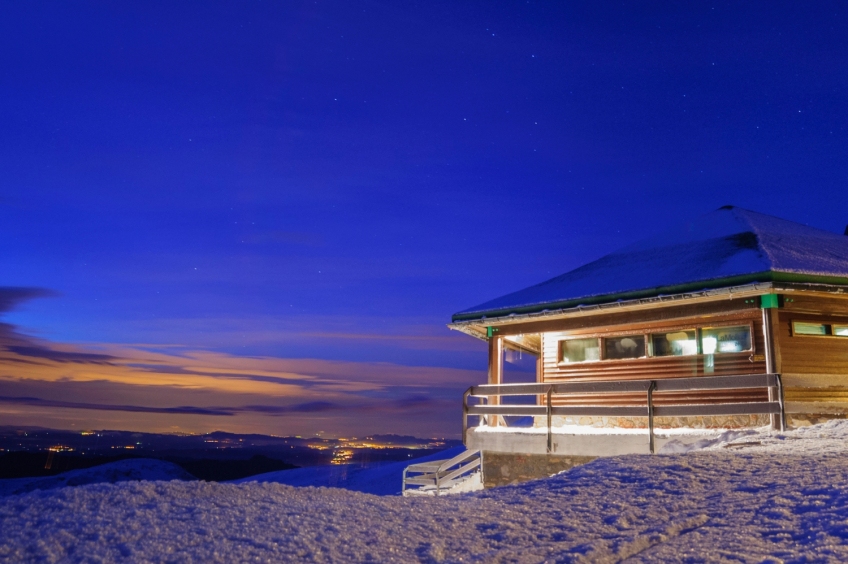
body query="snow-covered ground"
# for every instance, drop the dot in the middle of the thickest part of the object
(121, 471)
(379, 479)
(761, 497)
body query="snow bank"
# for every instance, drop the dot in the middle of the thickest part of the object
(763, 497)
(719, 440)
(378, 479)
(121, 471)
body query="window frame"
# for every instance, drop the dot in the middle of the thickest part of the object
(749, 325)
(698, 346)
(561, 362)
(624, 336)
(828, 329)
(833, 327)
(649, 348)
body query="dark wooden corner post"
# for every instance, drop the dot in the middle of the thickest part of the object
(495, 368)
(769, 304)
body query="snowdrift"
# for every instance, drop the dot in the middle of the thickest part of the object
(761, 497)
(121, 471)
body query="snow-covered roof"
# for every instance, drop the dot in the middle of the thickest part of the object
(727, 247)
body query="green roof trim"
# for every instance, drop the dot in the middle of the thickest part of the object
(766, 276)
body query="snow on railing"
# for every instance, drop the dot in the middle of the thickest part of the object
(441, 475)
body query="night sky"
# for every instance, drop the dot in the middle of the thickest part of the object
(259, 216)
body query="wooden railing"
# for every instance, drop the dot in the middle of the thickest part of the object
(546, 407)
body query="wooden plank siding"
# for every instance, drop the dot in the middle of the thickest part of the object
(811, 354)
(814, 368)
(752, 362)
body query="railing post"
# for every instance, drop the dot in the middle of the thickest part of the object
(550, 418)
(465, 415)
(780, 399)
(403, 487)
(651, 415)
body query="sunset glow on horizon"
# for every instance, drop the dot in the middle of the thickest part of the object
(260, 217)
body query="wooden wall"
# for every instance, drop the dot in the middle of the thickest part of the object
(814, 368)
(751, 362)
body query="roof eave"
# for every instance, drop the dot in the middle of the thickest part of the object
(761, 282)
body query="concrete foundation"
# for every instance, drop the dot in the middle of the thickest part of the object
(532, 441)
(694, 422)
(500, 469)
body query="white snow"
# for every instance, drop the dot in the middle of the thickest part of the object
(378, 479)
(121, 471)
(762, 497)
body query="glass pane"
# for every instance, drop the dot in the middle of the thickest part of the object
(716, 340)
(579, 350)
(840, 330)
(678, 343)
(631, 346)
(809, 328)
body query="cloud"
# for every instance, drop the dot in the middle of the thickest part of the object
(118, 386)
(177, 388)
(105, 407)
(305, 407)
(60, 356)
(11, 296)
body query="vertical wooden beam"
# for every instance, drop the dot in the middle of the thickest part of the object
(777, 365)
(540, 367)
(540, 360)
(495, 371)
(776, 359)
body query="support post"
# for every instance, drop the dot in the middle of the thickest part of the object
(495, 372)
(465, 415)
(768, 337)
(651, 388)
(781, 401)
(550, 418)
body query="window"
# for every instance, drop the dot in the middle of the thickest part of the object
(579, 350)
(802, 328)
(718, 340)
(631, 346)
(678, 343)
(819, 329)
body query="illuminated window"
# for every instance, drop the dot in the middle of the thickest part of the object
(631, 346)
(801, 328)
(718, 340)
(677, 343)
(579, 350)
(840, 330)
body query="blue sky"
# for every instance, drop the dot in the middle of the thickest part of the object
(330, 181)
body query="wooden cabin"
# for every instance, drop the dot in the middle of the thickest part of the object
(731, 294)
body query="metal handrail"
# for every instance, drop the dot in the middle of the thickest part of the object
(438, 472)
(649, 387)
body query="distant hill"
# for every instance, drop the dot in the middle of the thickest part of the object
(216, 456)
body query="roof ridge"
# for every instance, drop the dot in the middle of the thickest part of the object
(745, 216)
(727, 245)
